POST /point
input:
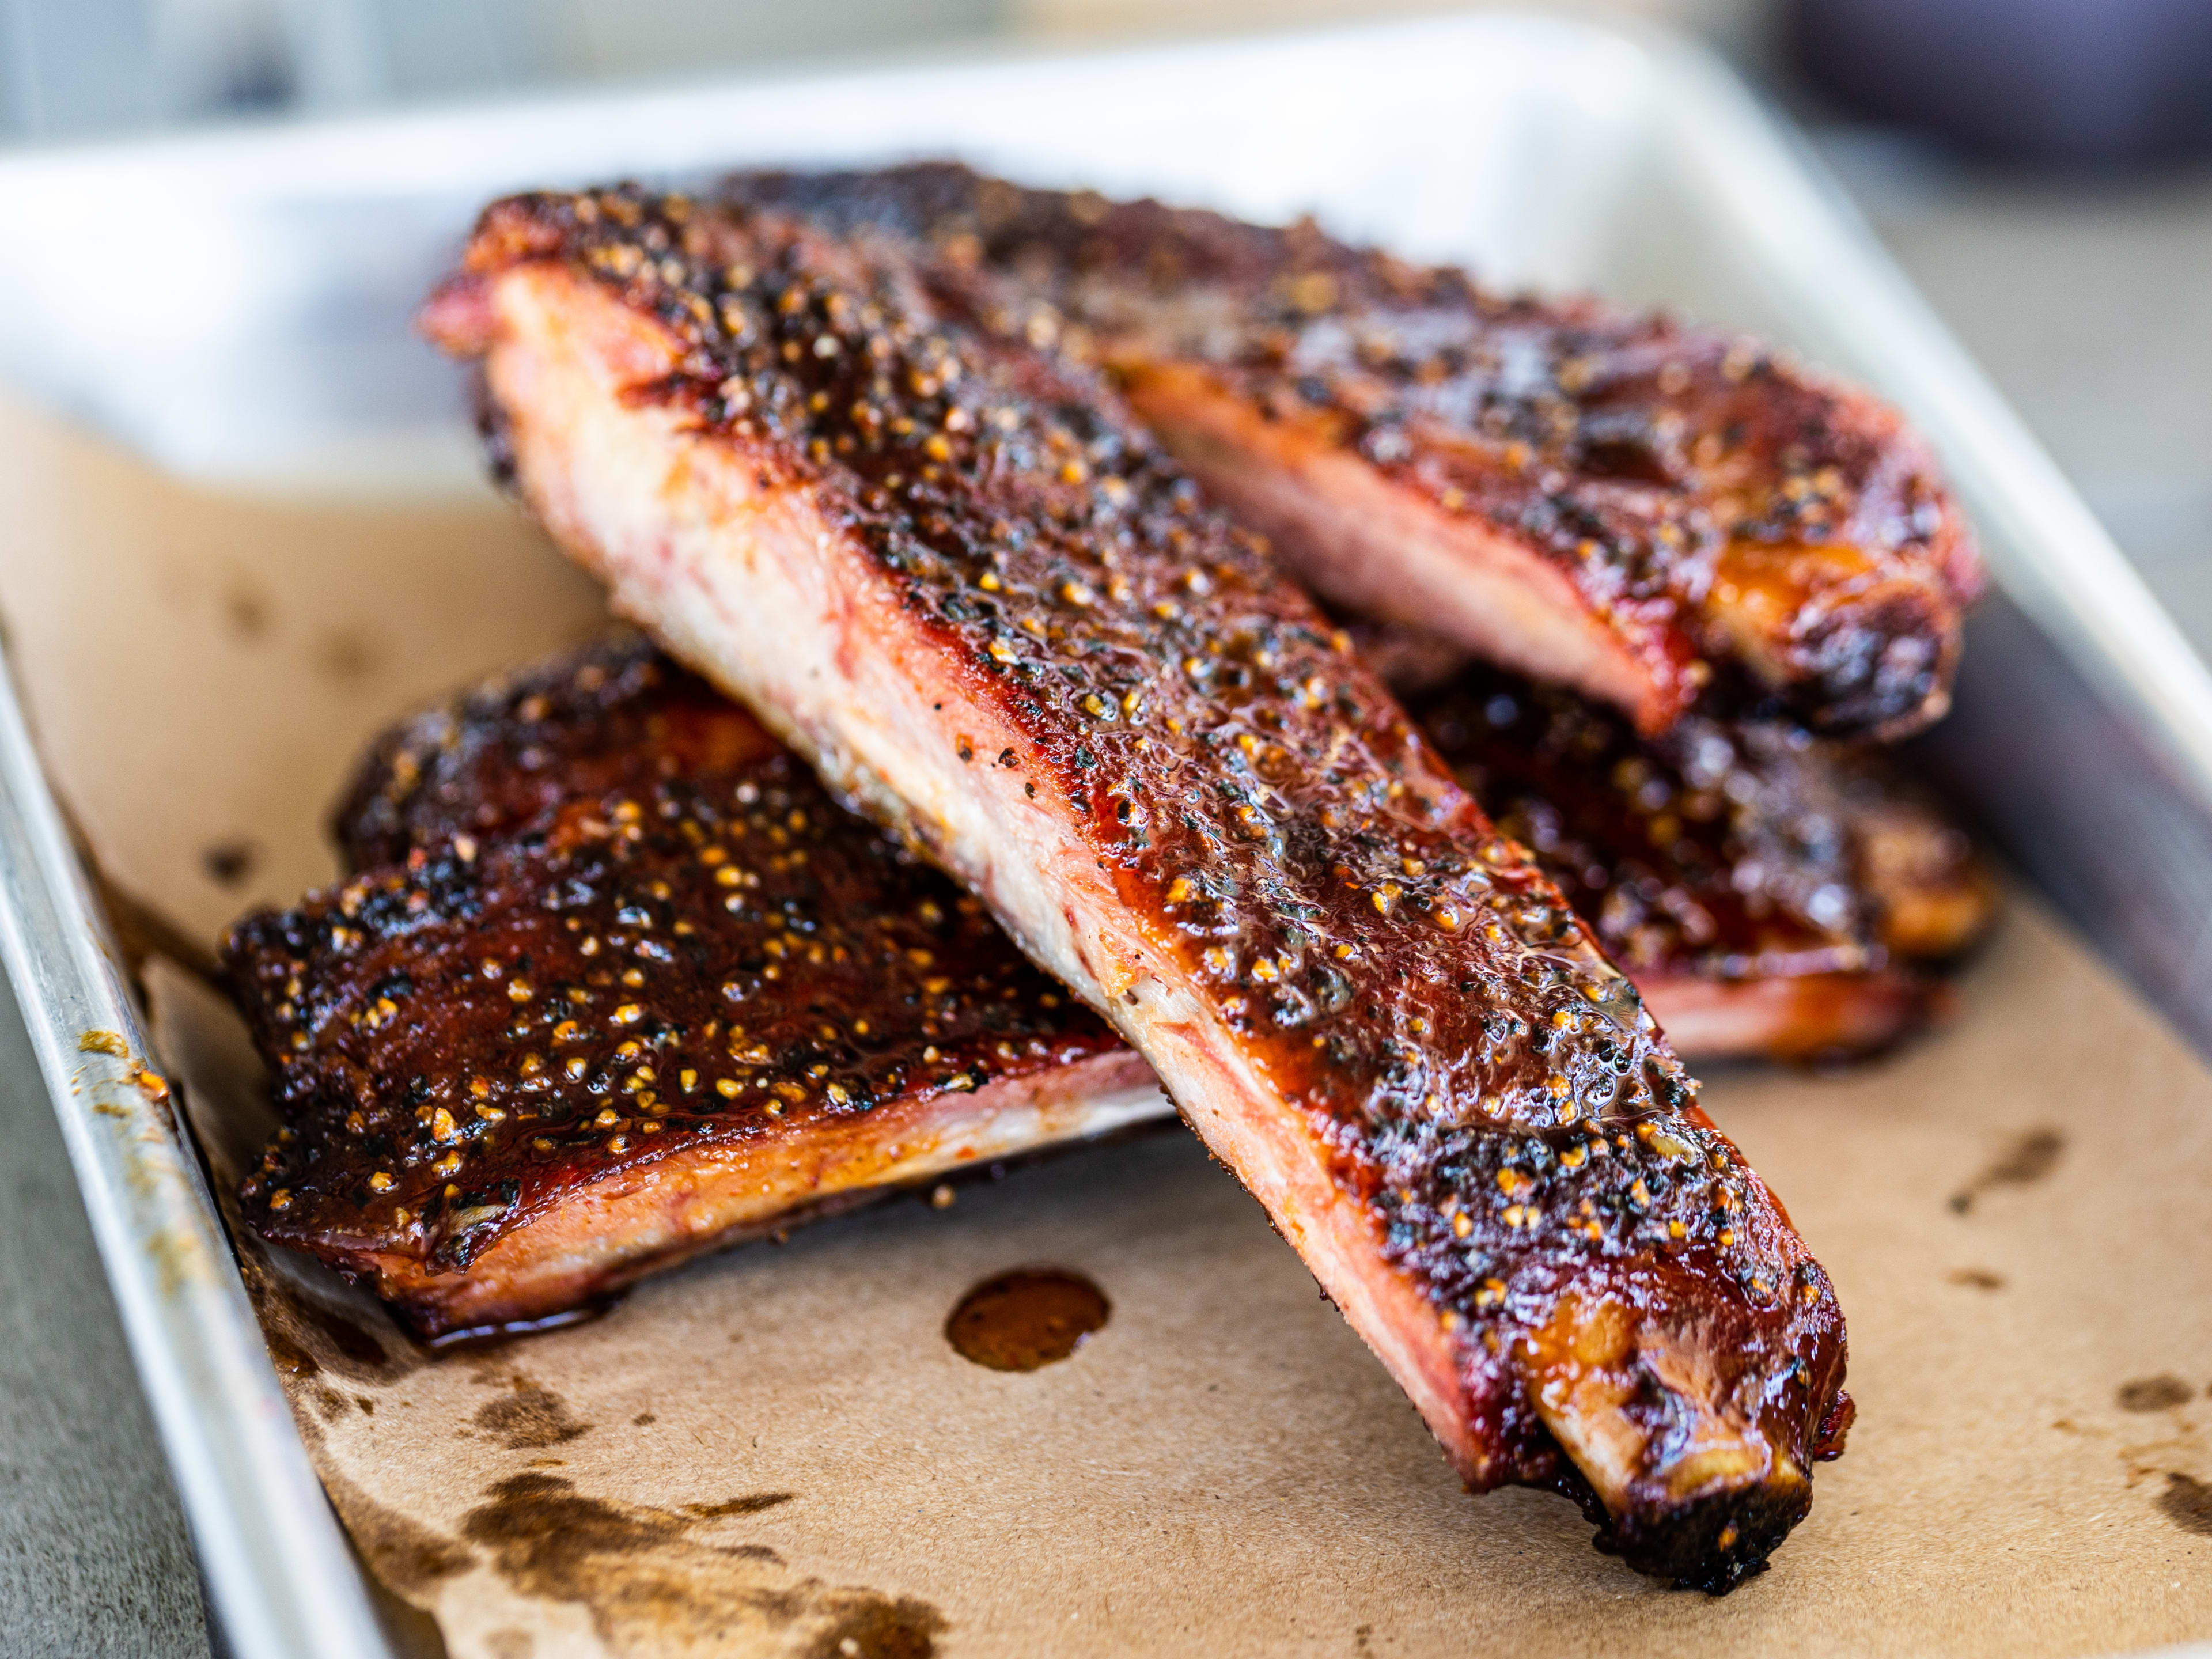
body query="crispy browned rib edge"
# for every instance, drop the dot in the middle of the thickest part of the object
(609, 1233)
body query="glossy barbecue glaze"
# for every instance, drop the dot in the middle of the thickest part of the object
(1772, 893)
(1609, 502)
(1726, 867)
(1719, 863)
(624, 984)
(617, 717)
(964, 583)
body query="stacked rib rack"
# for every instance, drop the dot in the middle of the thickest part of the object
(882, 457)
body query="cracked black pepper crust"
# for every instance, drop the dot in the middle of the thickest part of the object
(1726, 849)
(1692, 485)
(1721, 848)
(615, 716)
(1484, 1082)
(604, 915)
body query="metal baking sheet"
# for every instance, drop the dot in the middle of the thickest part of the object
(235, 306)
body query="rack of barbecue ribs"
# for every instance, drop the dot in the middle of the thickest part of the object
(954, 574)
(619, 736)
(616, 982)
(1756, 924)
(1609, 502)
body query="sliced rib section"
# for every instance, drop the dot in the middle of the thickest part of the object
(1771, 894)
(620, 983)
(952, 574)
(1612, 502)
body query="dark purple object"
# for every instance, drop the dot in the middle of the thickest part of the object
(2082, 81)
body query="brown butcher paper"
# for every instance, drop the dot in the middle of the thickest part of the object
(776, 1450)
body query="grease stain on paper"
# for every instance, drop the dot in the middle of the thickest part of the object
(228, 863)
(2187, 1503)
(2154, 1394)
(245, 611)
(306, 1336)
(649, 1588)
(752, 1503)
(405, 1554)
(348, 1338)
(305, 1339)
(529, 1418)
(1024, 1321)
(1978, 1278)
(347, 655)
(288, 1356)
(2029, 1159)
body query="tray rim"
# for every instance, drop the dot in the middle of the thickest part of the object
(281, 1574)
(270, 1549)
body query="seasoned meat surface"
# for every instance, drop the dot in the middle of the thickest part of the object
(1613, 502)
(614, 718)
(958, 577)
(1772, 893)
(618, 982)
(1932, 893)
(620, 721)
(1725, 850)
(1720, 863)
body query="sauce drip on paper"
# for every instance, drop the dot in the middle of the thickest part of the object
(1021, 1321)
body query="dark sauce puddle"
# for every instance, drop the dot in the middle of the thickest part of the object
(1021, 1321)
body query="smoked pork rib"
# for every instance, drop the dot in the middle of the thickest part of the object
(1608, 502)
(956, 577)
(620, 983)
